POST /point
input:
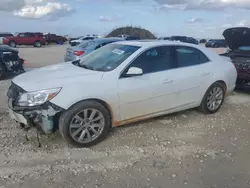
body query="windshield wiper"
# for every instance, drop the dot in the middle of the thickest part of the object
(86, 67)
(77, 63)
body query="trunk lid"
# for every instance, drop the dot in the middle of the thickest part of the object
(236, 37)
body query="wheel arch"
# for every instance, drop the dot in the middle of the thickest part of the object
(102, 102)
(218, 81)
(12, 41)
(37, 41)
(223, 83)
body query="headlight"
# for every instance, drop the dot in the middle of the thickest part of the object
(37, 97)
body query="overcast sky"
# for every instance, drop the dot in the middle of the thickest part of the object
(197, 18)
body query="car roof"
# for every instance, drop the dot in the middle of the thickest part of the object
(109, 39)
(151, 43)
(98, 41)
(102, 40)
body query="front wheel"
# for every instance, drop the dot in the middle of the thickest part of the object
(12, 44)
(85, 124)
(213, 99)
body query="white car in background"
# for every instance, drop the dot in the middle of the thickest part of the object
(117, 84)
(82, 39)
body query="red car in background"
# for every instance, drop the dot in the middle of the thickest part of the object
(25, 39)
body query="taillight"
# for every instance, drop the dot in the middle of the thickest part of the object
(78, 53)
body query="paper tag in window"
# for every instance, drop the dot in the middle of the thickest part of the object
(117, 51)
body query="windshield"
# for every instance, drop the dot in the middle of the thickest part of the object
(91, 45)
(108, 57)
(83, 44)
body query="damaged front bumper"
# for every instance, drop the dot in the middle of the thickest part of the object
(44, 117)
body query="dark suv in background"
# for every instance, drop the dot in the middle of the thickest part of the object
(238, 41)
(185, 39)
(53, 38)
(216, 43)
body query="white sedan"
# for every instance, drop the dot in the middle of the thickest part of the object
(120, 83)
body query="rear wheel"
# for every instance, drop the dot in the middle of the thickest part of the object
(85, 124)
(213, 99)
(37, 44)
(12, 44)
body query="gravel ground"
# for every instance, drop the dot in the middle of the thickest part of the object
(186, 149)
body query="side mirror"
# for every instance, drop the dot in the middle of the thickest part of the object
(134, 71)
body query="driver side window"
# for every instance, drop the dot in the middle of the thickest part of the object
(155, 60)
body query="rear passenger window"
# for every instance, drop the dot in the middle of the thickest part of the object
(29, 35)
(188, 56)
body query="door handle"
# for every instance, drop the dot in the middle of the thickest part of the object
(167, 81)
(206, 73)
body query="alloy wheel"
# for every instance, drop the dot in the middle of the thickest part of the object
(215, 98)
(87, 125)
(38, 44)
(12, 44)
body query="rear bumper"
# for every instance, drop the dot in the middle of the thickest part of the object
(67, 58)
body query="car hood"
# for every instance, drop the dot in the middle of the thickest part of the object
(5, 48)
(237, 36)
(54, 76)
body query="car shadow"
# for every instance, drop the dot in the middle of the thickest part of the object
(243, 90)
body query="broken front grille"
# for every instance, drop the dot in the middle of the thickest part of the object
(10, 56)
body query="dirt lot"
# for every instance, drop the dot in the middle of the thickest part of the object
(186, 149)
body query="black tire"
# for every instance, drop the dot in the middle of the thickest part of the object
(67, 116)
(204, 106)
(37, 44)
(2, 71)
(12, 44)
